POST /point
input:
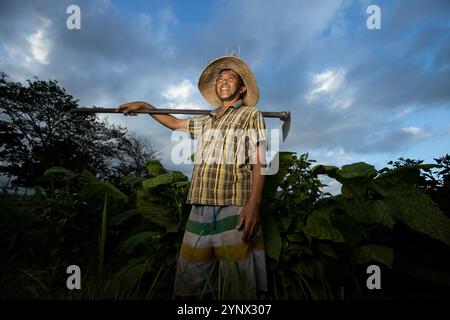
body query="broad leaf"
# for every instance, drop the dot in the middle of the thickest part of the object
(140, 239)
(319, 226)
(163, 179)
(155, 167)
(121, 218)
(272, 182)
(180, 184)
(357, 170)
(353, 177)
(367, 253)
(157, 213)
(132, 181)
(55, 174)
(327, 249)
(330, 171)
(97, 189)
(373, 212)
(272, 238)
(421, 213)
(408, 175)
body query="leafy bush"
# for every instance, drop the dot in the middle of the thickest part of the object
(317, 245)
(380, 217)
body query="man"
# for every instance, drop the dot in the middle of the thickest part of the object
(226, 186)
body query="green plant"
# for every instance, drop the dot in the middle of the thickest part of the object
(318, 245)
(158, 217)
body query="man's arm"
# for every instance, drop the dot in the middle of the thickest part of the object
(249, 219)
(167, 120)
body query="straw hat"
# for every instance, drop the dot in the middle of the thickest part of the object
(207, 80)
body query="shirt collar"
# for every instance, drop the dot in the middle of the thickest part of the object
(236, 105)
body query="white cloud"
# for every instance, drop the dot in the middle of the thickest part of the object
(403, 112)
(335, 157)
(418, 133)
(124, 57)
(329, 85)
(180, 92)
(327, 81)
(182, 96)
(39, 43)
(411, 130)
(166, 21)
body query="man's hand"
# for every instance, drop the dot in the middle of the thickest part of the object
(129, 108)
(249, 220)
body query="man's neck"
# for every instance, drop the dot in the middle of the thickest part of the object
(226, 104)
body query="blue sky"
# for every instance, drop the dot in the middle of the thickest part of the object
(354, 94)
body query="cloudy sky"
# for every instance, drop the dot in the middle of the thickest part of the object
(355, 94)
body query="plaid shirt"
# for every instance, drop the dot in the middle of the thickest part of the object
(225, 152)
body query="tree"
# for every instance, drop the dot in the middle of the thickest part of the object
(37, 132)
(133, 155)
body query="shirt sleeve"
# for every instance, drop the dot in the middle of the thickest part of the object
(195, 126)
(257, 129)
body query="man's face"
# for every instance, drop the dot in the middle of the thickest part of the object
(228, 85)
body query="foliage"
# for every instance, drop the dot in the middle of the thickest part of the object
(326, 241)
(133, 155)
(148, 234)
(318, 245)
(38, 132)
(55, 227)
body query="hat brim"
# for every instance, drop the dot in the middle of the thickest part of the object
(207, 80)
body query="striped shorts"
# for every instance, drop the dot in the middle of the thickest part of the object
(214, 259)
